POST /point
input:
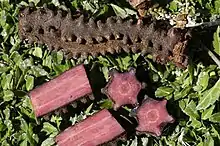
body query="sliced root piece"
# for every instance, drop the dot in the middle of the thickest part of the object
(115, 141)
(123, 88)
(95, 130)
(66, 88)
(152, 116)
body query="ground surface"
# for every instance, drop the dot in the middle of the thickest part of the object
(192, 93)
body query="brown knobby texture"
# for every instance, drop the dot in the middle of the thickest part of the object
(141, 6)
(60, 91)
(123, 88)
(152, 116)
(80, 36)
(95, 130)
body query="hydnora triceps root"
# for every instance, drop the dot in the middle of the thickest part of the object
(123, 88)
(69, 87)
(79, 36)
(152, 116)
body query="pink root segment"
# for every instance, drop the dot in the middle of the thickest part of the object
(123, 88)
(152, 116)
(60, 91)
(95, 130)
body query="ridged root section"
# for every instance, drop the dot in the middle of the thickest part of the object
(62, 90)
(123, 88)
(95, 130)
(80, 36)
(152, 116)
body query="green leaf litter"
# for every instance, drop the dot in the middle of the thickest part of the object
(216, 41)
(209, 97)
(192, 94)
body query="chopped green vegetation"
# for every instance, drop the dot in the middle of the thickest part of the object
(192, 94)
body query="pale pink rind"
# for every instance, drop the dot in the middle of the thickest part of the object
(123, 88)
(95, 130)
(60, 91)
(151, 115)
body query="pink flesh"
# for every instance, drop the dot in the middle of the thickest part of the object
(60, 91)
(151, 115)
(123, 88)
(95, 130)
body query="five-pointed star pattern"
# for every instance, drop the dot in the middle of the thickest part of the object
(123, 88)
(152, 116)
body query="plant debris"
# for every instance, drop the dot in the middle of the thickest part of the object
(141, 6)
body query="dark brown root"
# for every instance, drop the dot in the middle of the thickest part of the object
(81, 36)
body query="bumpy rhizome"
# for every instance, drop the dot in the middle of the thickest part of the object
(80, 36)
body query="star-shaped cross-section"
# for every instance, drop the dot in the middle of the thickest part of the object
(152, 116)
(123, 88)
